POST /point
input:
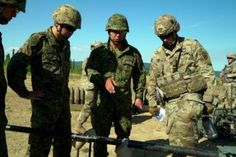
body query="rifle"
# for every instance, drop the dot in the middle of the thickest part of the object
(129, 143)
(224, 121)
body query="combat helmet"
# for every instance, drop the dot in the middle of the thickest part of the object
(117, 22)
(67, 14)
(231, 55)
(166, 24)
(20, 4)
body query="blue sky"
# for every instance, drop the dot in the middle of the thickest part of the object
(211, 22)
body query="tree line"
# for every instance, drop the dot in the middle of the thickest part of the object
(76, 66)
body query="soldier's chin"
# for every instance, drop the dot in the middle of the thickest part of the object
(118, 42)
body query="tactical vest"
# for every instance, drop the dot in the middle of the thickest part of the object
(176, 71)
(174, 85)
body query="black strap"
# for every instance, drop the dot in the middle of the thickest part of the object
(177, 63)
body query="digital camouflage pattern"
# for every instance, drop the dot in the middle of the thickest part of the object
(67, 14)
(20, 4)
(166, 24)
(117, 22)
(3, 90)
(49, 59)
(188, 57)
(122, 66)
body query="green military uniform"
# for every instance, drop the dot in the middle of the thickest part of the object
(6, 14)
(123, 65)
(49, 59)
(3, 90)
(188, 57)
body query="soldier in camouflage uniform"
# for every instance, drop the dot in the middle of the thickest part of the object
(8, 9)
(48, 54)
(90, 99)
(181, 69)
(228, 74)
(90, 94)
(228, 78)
(111, 68)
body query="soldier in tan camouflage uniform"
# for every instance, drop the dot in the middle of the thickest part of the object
(90, 94)
(181, 68)
(228, 74)
(228, 78)
(111, 67)
(8, 10)
(48, 54)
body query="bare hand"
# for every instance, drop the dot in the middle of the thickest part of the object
(110, 85)
(139, 103)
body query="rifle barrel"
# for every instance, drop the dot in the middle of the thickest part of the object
(130, 143)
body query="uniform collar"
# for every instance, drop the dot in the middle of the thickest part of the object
(178, 47)
(54, 40)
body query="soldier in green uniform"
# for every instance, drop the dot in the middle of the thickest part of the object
(181, 69)
(111, 67)
(48, 54)
(8, 10)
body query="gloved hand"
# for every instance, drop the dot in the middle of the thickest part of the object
(154, 110)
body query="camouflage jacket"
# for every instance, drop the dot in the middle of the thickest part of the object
(84, 80)
(228, 74)
(187, 57)
(121, 66)
(3, 84)
(49, 60)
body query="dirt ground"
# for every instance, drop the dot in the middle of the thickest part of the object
(145, 128)
(18, 110)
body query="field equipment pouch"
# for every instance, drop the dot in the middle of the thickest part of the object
(174, 85)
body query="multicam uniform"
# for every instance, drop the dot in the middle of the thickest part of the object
(228, 74)
(49, 59)
(90, 98)
(121, 66)
(90, 93)
(228, 78)
(184, 108)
